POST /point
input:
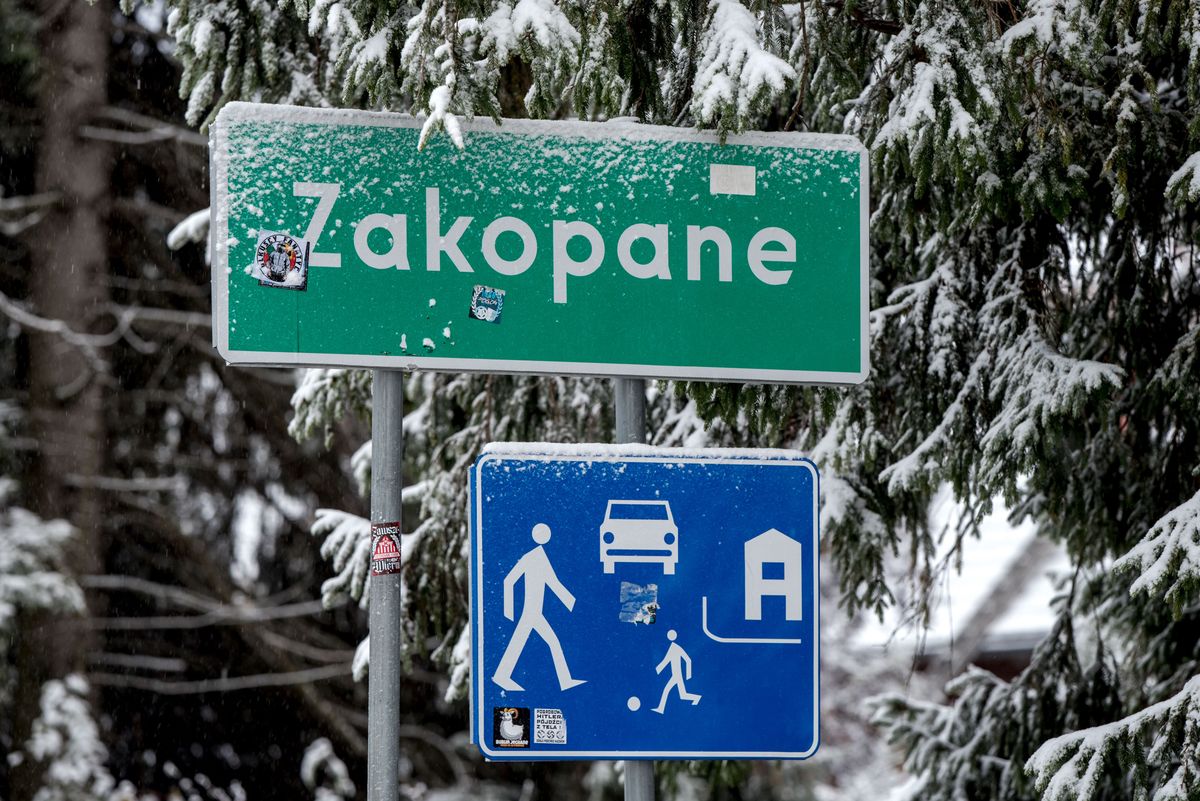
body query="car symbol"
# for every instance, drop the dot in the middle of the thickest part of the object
(639, 531)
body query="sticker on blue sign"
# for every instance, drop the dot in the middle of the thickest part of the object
(510, 727)
(711, 555)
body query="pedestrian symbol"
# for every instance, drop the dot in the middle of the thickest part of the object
(535, 568)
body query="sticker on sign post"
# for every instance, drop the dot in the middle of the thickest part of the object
(385, 549)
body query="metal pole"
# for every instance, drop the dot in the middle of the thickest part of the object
(630, 395)
(631, 409)
(383, 683)
(639, 780)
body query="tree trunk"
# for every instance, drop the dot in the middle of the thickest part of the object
(68, 283)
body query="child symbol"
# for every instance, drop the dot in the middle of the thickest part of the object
(675, 658)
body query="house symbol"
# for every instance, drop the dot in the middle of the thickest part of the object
(773, 568)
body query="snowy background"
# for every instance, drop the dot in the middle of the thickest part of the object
(1011, 505)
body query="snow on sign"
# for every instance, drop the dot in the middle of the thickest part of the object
(541, 247)
(630, 602)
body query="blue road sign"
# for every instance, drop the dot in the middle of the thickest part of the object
(643, 603)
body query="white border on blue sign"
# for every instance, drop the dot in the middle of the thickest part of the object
(552, 452)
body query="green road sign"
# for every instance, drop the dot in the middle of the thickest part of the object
(541, 247)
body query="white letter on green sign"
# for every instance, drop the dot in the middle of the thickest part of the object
(658, 265)
(328, 196)
(564, 265)
(528, 246)
(435, 243)
(758, 255)
(397, 255)
(696, 237)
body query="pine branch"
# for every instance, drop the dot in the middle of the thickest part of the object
(1167, 560)
(860, 18)
(221, 685)
(1071, 767)
(227, 615)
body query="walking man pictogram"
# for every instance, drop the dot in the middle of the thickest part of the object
(675, 657)
(539, 576)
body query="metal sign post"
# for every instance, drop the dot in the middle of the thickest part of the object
(630, 395)
(387, 481)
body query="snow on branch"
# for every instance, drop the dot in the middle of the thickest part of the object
(543, 36)
(66, 739)
(359, 50)
(459, 663)
(982, 743)
(1037, 385)
(860, 539)
(736, 76)
(1184, 184)
(88, 344)
(192, 229)
(939, 747)
(362, 659)
(223, 615)
(360, 466)
(1018, 388)
(367, 58)
(440, 117)
(1070, 767)
(32, 208)
(1174, 377)
(324, 773)
(324, 397)
(1061, 24)
(232, 50)
(347, 547)
(682, 426)
(924, 460)
(442, 73)
(511, 29)
(936, 300)
(31, 551)
(223, 684)
(939, 87)
(1167, 560)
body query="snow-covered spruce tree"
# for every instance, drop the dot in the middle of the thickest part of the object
(1034, 336)
(64, 743)
(236, 49)
(66, 740)
(33, 577)
(1036, 303)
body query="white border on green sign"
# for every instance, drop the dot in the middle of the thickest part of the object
(259, 112)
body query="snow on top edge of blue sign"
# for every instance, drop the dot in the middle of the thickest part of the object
(621, 450)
